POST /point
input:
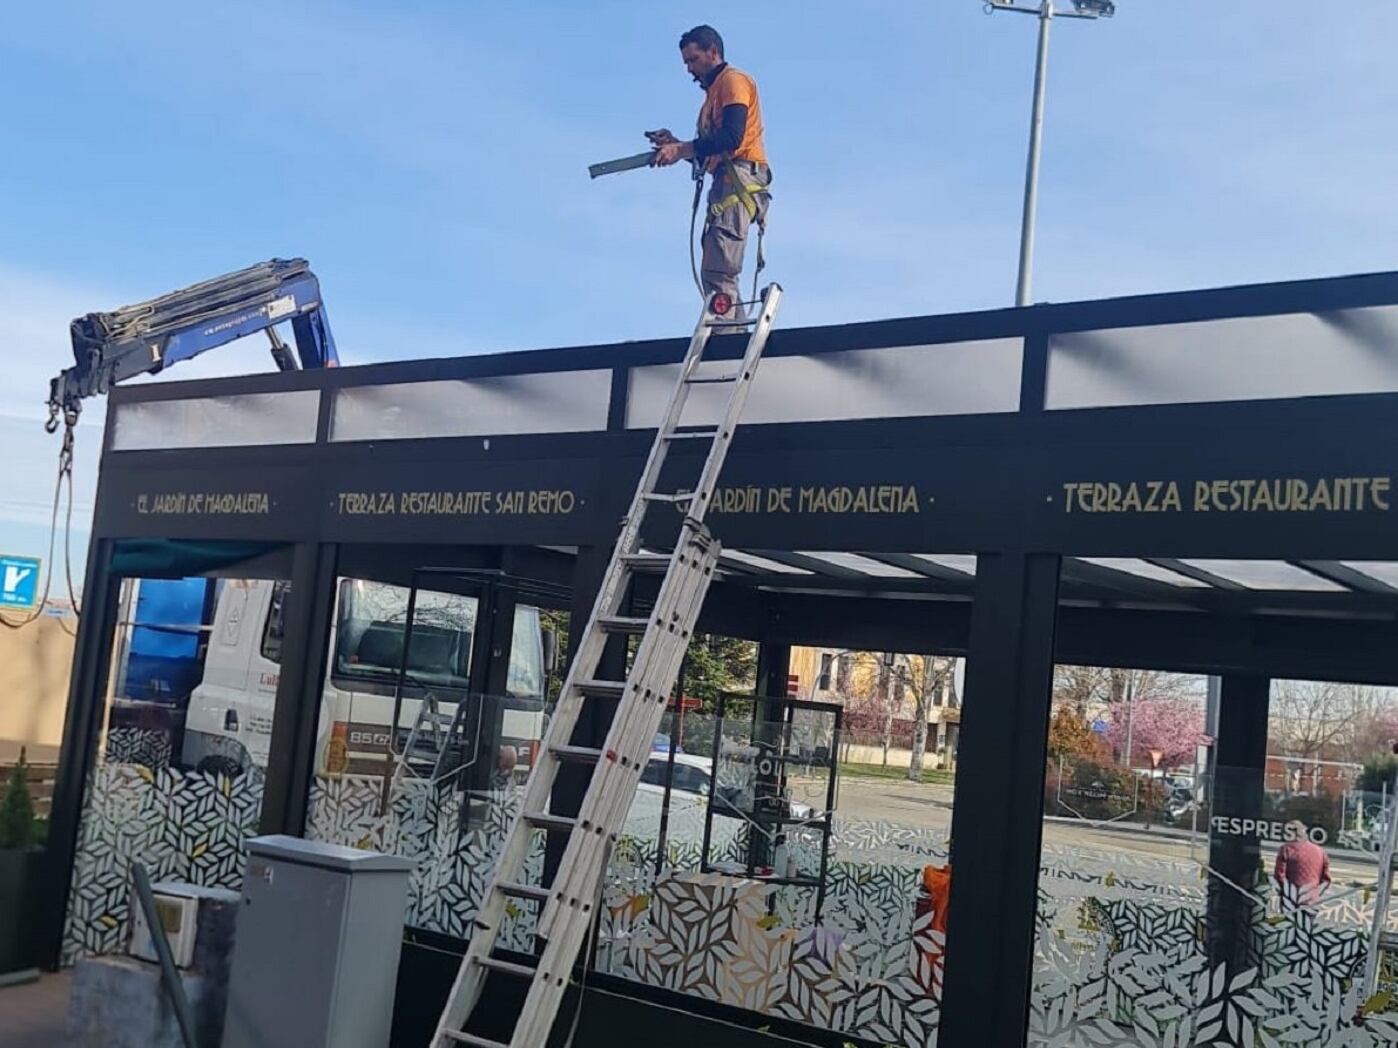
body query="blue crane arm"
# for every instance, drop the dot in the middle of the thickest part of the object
(150, 336)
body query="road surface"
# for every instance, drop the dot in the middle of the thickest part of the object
(929, 806)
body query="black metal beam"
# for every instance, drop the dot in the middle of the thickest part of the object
(1343, 575)
(1080, 576)
(818, 567)
(1312, 647)
(1300, 296)
(1189, 571)
(954, 580)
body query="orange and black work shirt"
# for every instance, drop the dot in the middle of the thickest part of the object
(730, 86)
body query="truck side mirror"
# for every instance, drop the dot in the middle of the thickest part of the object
(550, 651)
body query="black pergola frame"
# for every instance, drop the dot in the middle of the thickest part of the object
(996, 480)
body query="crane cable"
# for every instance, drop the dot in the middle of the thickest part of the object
(64, 479)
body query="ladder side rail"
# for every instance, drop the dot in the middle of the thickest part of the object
(1383, 897)
(471, 976)
(658, 678)
(609, 594)
(713, 464)
(565, 916)
(400, 766)
(614, 799)
(610, 795)
(628, 540)
(668, 607)
(538, 789)
(601, 783)
(718, 453)
(544, 994)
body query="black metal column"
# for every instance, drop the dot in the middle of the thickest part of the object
(1240, 762)
(596, 719)
(498, 622)
(86, 693)
(296, 713)
(997, 819)
(773, 668)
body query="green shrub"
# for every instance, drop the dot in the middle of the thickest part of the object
(17, 809)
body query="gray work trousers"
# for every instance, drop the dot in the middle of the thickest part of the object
(726, 234)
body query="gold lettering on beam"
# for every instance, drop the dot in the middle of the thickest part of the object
(1222, 495)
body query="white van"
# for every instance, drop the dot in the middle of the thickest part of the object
(229, 715)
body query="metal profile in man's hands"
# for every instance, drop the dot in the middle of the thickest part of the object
(627, 163)
(662, 137)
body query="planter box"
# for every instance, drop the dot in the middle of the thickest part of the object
(20, 884)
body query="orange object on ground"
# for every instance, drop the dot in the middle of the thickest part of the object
(936, 881)
(934, 898)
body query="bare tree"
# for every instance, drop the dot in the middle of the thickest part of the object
(869, 705)
(1090, 691)
(1322, 720)
(1308, 718)
(928, 676)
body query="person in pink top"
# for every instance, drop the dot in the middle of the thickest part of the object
(1303, 868)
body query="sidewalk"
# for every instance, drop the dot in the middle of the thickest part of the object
(34, 1013)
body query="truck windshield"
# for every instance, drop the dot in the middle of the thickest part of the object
(370, 633)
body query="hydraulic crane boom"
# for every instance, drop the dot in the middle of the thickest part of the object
(150, 336)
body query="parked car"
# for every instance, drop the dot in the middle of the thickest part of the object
(689, 796)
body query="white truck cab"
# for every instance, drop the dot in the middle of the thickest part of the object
(228, 727)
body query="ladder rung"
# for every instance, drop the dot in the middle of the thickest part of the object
(693, 434)
(704, 380)
(602, 689)
(666, 496)
(647, 561)
(505, 967)
(524, 891)
(579, 754)
(622, 624)
(461, 1037)
(547, 821)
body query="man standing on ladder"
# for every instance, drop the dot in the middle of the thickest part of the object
(728, 146)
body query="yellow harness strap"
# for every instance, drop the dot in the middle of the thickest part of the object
(745, 193)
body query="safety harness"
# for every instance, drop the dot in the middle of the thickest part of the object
(744, 194)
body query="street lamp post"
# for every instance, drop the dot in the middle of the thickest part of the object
(1046, 12)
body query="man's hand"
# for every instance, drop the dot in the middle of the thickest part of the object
(673, 153)
(663, 137)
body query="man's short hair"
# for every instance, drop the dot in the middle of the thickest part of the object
(705, 37)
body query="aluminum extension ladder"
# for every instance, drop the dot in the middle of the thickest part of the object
(1381, 940)
(566, 907)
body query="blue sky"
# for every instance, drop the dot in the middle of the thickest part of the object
(429, 159)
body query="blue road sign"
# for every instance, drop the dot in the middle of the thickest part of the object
(19, 581)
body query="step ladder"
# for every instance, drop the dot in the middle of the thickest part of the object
(436, 747)
(565, 908)
(1383, 942)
